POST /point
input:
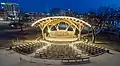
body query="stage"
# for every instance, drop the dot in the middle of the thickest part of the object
(62, 39)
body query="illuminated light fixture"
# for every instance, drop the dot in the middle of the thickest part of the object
(3, 3)
(1, 19)
(49, 31)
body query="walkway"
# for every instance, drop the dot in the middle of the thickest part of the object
(102, 60)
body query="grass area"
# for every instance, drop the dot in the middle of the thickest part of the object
(109, 45)
(111, 42)
(7, 37)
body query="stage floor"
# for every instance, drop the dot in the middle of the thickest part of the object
(60, 39)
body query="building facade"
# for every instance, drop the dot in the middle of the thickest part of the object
(12, 9)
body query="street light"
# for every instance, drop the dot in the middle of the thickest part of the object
(3, 3)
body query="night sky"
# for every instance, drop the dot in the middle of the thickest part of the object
(77, 5)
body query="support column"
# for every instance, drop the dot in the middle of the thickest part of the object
(43, 34)
(74, 33)
(79, 32)
(49, 29)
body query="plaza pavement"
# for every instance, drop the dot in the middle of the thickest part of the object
(10, 58)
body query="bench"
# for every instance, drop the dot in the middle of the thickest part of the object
(76, 59)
